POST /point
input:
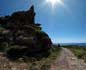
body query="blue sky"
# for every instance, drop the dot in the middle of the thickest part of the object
(63, 24)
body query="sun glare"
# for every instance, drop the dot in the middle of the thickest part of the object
(54, 2)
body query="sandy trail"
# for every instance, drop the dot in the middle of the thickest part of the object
(68, 61)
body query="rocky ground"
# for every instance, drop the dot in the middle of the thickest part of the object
(5, 64)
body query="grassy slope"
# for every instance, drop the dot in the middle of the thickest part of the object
(80, 52)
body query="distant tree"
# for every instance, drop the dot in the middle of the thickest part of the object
(59, 45)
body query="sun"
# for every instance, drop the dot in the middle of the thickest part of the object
(53, 3)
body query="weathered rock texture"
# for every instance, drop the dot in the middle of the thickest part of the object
(24, 37)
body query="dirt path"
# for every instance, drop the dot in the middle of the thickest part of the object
(67, 61)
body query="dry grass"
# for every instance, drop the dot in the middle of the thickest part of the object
(80, 52)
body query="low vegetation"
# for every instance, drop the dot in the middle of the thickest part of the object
(43, 64)
(79, 51)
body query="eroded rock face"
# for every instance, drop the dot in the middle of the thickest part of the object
(20, 29)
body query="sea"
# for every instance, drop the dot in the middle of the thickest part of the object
(73, 44)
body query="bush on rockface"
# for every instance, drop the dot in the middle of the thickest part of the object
(13, 53)
(2, 47)
(43, 39)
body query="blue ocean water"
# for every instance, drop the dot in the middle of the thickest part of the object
(77, 44)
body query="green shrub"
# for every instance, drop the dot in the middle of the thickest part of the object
(3, 47)
(33, 67)
(45, 67)
(14, 53)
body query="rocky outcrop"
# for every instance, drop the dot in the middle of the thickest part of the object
(20, 30)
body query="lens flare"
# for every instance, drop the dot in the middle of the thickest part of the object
(53, 3)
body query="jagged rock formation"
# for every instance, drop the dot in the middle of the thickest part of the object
(20, 30)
